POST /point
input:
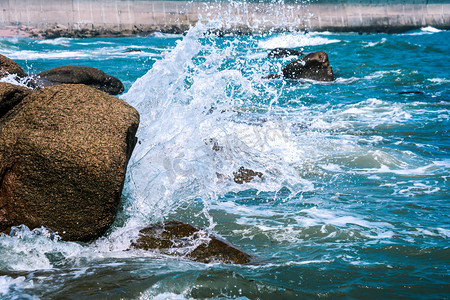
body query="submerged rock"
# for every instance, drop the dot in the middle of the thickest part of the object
(184, 240)
(284, 52)
(313, 66)
(245, 175)
(80, 75)
(63, 158)
(411, 92)
(132, 50)
(10, 96)
(8, 66)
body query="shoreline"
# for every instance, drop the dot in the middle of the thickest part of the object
(124, 18)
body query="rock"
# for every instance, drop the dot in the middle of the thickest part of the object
(284, 52)
(63, 158)
(81, 75)
(132, 50)
(10, 96)
(272, 76)
(411, 92)
(312, 66)
(184, 240)
(245, 175)
(8, 66)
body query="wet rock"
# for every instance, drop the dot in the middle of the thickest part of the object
(132, 50)
(284, 52)
(80, 75)
(10, 96)
(63, 158)
(313, 66)
(272, 76)
(245, 175)
(184, 240)
(411, 92)
(8, 66)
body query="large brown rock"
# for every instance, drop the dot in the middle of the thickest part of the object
(8, 66)
(313, 66)
(184, 240)
(80, 75)
(63, 158)
(10, 96)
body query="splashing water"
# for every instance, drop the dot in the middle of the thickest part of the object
(197, 129)
(353, 197)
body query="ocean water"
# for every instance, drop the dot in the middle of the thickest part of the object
(354, 201)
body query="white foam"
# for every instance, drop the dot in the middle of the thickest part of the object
(165, 35)
(19, 283)
(381, 74)
(55, 42)
(294, 40)
(14, 79)
(430, 29)
(34, 55)
(439, 80)
(443, 232)
(346, 80)
(25, 249)
(332, 167)
(375, 112)
(443, 163)
(181, 123)
(164, 296)
(424, 31)
(329, 217)
(289, 263)
(93, 43)
(373, 44)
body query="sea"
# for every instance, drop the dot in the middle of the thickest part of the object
(354, 199)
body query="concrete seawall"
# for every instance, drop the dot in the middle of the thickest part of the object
(85, 18)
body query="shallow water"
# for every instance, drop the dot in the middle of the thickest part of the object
(354, 198)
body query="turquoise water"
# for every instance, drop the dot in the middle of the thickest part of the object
(354, 202)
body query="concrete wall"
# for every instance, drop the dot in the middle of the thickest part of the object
(51, 18)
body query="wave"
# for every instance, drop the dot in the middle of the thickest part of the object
(100, 53)
(295, 40)
(164, 35)
(439, 80)
(430, 29)
(425, 31)
(55, 42)
(374, 44)
(15, 288)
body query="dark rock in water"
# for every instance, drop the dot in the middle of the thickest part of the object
(284, 52)
(245, 175)
(184, 240)
(272, 76)
(80, 75)
(313, 66)
(63, 158)
(132, 50)
(8, 66)
(411, 92)
(10, 96)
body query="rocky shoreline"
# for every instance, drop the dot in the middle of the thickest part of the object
(59, 31)
(66, 143)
